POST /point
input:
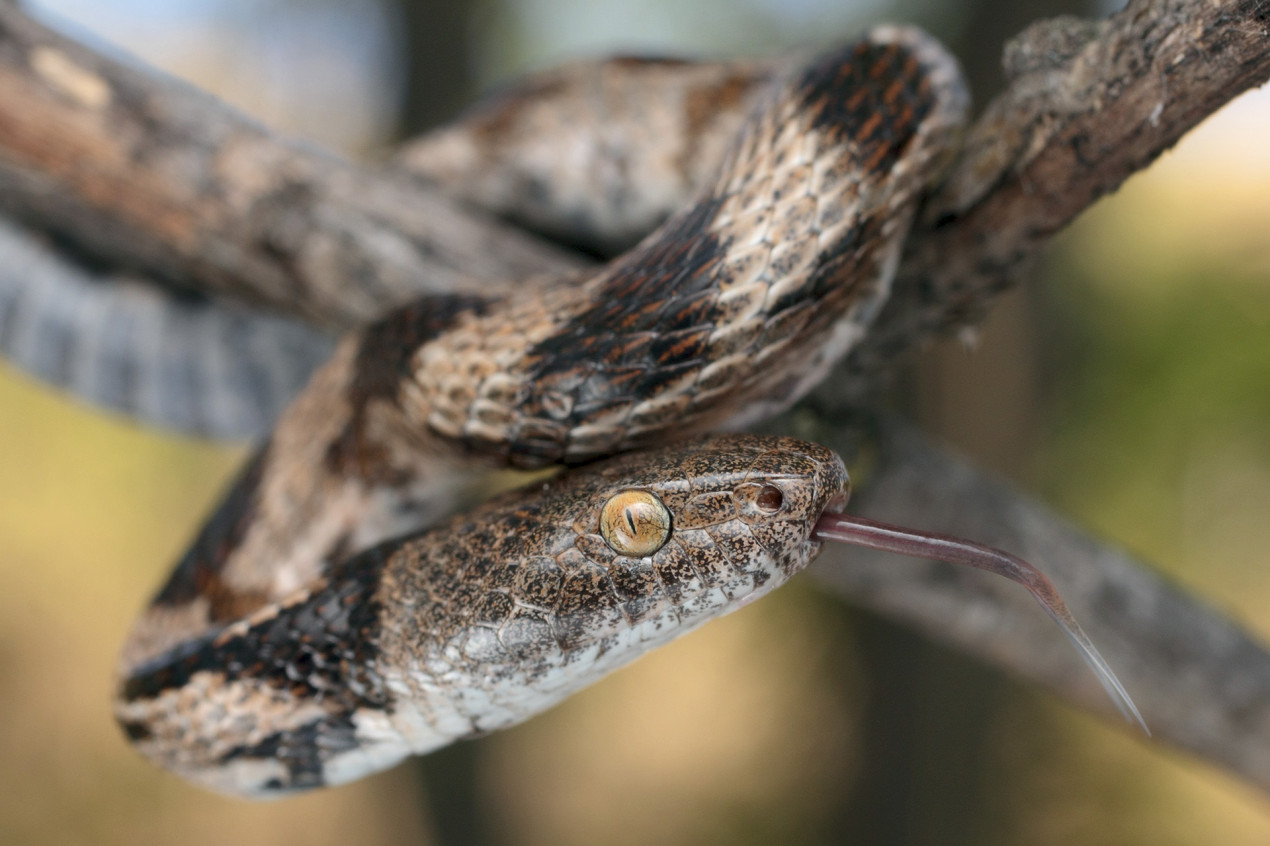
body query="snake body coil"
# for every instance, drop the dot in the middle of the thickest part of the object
(315, 632)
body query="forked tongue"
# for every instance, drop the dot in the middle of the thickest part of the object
(861, 532)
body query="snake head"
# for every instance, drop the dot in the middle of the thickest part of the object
(667, 539)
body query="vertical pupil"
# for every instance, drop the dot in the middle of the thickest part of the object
(634, 523)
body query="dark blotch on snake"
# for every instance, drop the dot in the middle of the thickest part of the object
(321, 648)
(136, 731)
(302, 750)
(387, 346)
(382, 365)
(199, 572)
(851, 98)
(654, 290)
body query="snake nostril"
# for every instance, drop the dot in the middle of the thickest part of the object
(770, 499)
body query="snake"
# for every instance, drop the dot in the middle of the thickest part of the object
(334, 616)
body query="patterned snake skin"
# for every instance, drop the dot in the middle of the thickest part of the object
(317, 631)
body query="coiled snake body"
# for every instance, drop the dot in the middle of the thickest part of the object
(317, 631)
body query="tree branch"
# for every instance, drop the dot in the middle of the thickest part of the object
(204, 367)
(1088, 104)
(152, 175)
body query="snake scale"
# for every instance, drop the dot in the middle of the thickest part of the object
(329, 620)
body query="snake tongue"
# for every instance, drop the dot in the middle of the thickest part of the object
(858, 531)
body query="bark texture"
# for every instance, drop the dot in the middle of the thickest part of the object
(162, 180)
(1089, 103)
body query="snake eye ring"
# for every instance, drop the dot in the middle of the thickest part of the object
(635, 523)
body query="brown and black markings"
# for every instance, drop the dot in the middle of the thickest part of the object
(655, 311)
(647, 326)
(724, 303)
(321, 649)
(382, 364)
(198, 574)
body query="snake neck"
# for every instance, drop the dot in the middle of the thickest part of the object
(345, 469)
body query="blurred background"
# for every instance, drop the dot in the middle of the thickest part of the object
(1128, 384)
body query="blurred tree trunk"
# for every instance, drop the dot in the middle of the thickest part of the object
(930, 711)
(987, 24)
(437, 68)
(984, 404)
(439, 82)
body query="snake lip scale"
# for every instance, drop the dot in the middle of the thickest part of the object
(330, 619)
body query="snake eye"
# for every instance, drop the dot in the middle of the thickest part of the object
(635, 523)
